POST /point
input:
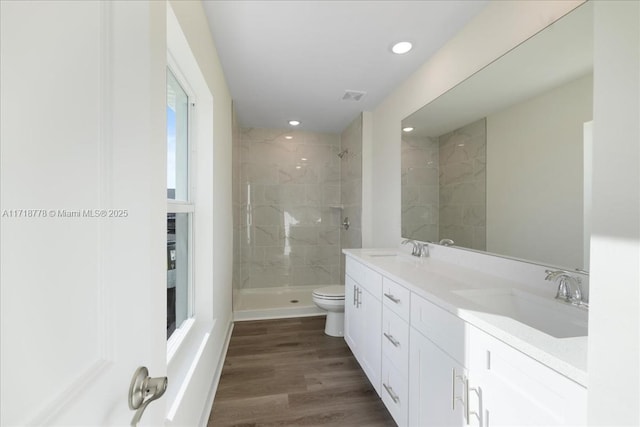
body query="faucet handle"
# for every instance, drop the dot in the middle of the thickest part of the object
(552, 274)
(446, 242)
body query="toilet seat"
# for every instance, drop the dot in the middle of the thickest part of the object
(333, 292)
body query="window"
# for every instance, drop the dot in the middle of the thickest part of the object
(180, 208)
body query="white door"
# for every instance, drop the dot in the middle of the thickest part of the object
(83, 209)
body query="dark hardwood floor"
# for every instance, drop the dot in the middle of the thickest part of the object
(286, 372)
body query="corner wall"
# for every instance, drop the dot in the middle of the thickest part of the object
(351, 188)
(614, 319)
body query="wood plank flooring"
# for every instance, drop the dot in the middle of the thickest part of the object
(287, 372)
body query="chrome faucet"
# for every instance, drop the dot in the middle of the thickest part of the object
(569, 288)
(446, 242)
(419, 249)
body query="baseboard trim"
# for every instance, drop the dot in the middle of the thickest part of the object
(204, 418)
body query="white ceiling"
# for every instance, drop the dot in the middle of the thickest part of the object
(288, 60)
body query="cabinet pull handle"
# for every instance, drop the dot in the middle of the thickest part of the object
(454, 398)
(355, 295)
(453, 389)
(466, 400)
(393, 396)
(359, 298)
(392, 298)
(478, 415)
(394, 341)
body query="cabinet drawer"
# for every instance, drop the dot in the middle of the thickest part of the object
(395, 340)
(365, 277)
(396, 297)
(443, 328)
(395, 392)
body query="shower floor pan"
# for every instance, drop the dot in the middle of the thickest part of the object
(275, 303)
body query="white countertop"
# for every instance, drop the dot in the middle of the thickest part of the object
(435, 280)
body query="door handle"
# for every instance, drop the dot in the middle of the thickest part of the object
(144, 390)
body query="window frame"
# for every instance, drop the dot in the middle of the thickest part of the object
(187, 207)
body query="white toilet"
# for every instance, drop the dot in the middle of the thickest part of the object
(331, 298)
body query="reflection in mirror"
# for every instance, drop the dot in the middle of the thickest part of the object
(443, 186)
(497, 163)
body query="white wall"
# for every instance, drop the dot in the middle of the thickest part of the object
(498, 28)
(535, 176)
(614, 318)
(195, 404)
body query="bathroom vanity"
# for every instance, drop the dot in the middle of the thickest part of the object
(445, 344)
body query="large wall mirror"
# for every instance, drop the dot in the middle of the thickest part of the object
(501, 162)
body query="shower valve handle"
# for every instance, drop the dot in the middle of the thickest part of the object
(346, 223)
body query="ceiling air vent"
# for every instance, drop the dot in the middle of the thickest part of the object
(353, 95)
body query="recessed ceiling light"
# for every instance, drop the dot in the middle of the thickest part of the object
(304, 159)
(298, 167)
(401, 47)
(288, 137)
(294, 122)
(407, 129)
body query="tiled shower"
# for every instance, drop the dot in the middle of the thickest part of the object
(292, 191)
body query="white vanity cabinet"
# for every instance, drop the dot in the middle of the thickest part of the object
(463, 376)
(432, 368)
(363, 318)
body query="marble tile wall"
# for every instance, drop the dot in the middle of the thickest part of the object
(351, 187)
(288, 233)
(462, 176)
(420, 189)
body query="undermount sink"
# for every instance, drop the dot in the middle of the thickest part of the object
(381, 253)
(547, 315)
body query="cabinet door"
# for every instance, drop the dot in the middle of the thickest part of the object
(517, 390)
(436, 385)
(351, 318)
(371, 327)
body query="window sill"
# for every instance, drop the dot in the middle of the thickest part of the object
(177, 338)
